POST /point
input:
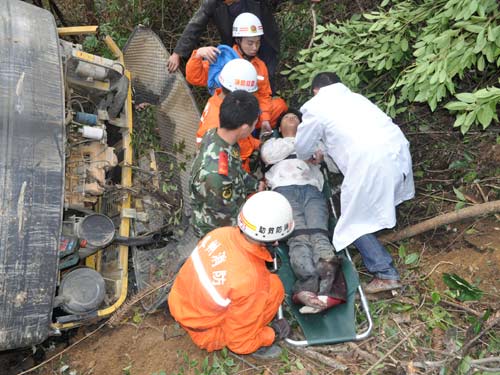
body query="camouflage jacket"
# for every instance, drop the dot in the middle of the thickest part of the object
(218, 185)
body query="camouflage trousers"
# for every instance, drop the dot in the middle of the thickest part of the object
(310, 211)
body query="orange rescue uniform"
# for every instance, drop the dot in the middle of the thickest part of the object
(272, 108)
(210, 119)
(224, 295)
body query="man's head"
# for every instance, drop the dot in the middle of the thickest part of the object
(266, 217)
(288, 122)
(239, 112)
(247, 31)
(323, 79)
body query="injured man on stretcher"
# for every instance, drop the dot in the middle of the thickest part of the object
(320, 283)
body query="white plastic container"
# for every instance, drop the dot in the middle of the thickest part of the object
(92, 132)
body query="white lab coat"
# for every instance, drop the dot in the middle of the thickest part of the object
(370, 151)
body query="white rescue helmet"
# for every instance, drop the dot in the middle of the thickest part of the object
(247, 24)
(266, 216)
(239, 74)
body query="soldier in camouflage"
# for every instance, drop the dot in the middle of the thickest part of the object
(219, 185)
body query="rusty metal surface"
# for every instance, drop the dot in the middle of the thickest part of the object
(31, 171)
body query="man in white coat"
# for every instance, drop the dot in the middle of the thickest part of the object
(374, 157)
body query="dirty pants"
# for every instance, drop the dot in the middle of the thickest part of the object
(310, 211)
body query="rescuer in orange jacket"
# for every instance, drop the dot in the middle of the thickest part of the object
(224, 295)
(247, 32)
(237, 74)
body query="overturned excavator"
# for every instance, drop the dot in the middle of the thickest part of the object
(71, 220)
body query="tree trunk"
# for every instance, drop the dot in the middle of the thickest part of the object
(448, 218)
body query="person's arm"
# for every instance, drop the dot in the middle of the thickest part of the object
(198, 65)
(197, 70)
(264, 92)
(195, 27)
(209, 119)
(309, 134)
(220, 202)
(277, 149)
(251, 183)
(191, 35)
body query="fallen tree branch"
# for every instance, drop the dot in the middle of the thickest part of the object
(368, 357)
(392, 350)
(63, 351)
(496, 370)
(448, 218)
(239, 358)
(113, 320)
(490, 323)
(464, 351)
(330, 362)
(313, 14)
(462, 307)
(434, 268)
(119, 314)
(474, 363)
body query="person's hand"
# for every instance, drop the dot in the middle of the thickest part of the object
(208, 53)
(142, 106)
(317, 158)
(265, 127)
(262, 185)
(173, 62)
(281, 328)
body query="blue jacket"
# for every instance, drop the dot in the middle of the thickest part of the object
(226, 54)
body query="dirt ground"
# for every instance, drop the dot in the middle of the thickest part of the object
(156, 345)
(475, 258)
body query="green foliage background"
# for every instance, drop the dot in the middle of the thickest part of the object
(415, 52)
(444, 53)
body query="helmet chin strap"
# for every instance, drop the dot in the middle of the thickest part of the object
(245, 56)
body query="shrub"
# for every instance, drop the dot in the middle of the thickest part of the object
(416, 51)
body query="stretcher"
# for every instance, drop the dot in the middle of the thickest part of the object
(338, 324)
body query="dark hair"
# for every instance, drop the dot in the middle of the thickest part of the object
(238, 108)
(324, 79)
(289, 110)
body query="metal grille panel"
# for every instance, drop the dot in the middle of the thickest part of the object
(177, 119)
(178, 115)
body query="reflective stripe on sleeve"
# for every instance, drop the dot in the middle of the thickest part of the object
(205, 280)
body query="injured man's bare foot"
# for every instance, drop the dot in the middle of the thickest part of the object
(307, 298)
(313, 303)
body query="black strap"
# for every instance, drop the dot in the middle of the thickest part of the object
(266, 168)
(309, 231)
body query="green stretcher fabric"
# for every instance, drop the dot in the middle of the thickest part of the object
(333, 326)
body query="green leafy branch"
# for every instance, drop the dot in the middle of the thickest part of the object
(413, 52)
(476, 107)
